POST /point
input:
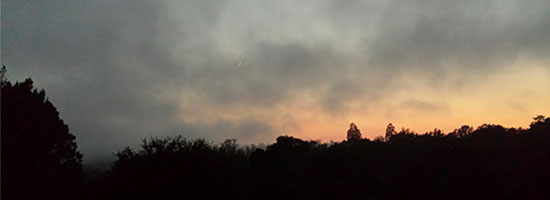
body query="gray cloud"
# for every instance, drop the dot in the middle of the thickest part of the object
(246, 130)
(476, 36)
(423, 106)
(122, 70)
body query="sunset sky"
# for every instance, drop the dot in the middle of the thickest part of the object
(252, 70)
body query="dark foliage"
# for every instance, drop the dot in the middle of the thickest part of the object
(39, 156)
(490, 162)
(175, 167)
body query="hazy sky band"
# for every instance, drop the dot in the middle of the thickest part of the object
(251, 70)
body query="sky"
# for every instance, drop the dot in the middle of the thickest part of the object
(122, 70)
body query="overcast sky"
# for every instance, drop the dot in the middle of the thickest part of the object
(251, 70)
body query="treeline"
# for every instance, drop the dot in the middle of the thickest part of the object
(40, 161)
(490, 162)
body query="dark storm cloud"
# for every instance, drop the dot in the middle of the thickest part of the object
(122, 70)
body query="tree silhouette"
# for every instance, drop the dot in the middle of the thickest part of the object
(353, 133)
(390, 131)
(463, 131)
(39, 155)
(540, 126)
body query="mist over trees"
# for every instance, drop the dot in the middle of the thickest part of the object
(40, 160)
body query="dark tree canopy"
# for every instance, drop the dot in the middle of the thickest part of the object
(490, 162)
(39, 155)
(177, 167)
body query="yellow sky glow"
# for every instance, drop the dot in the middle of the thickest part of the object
(511, 98)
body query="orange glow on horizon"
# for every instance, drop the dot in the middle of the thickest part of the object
(510, 99)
